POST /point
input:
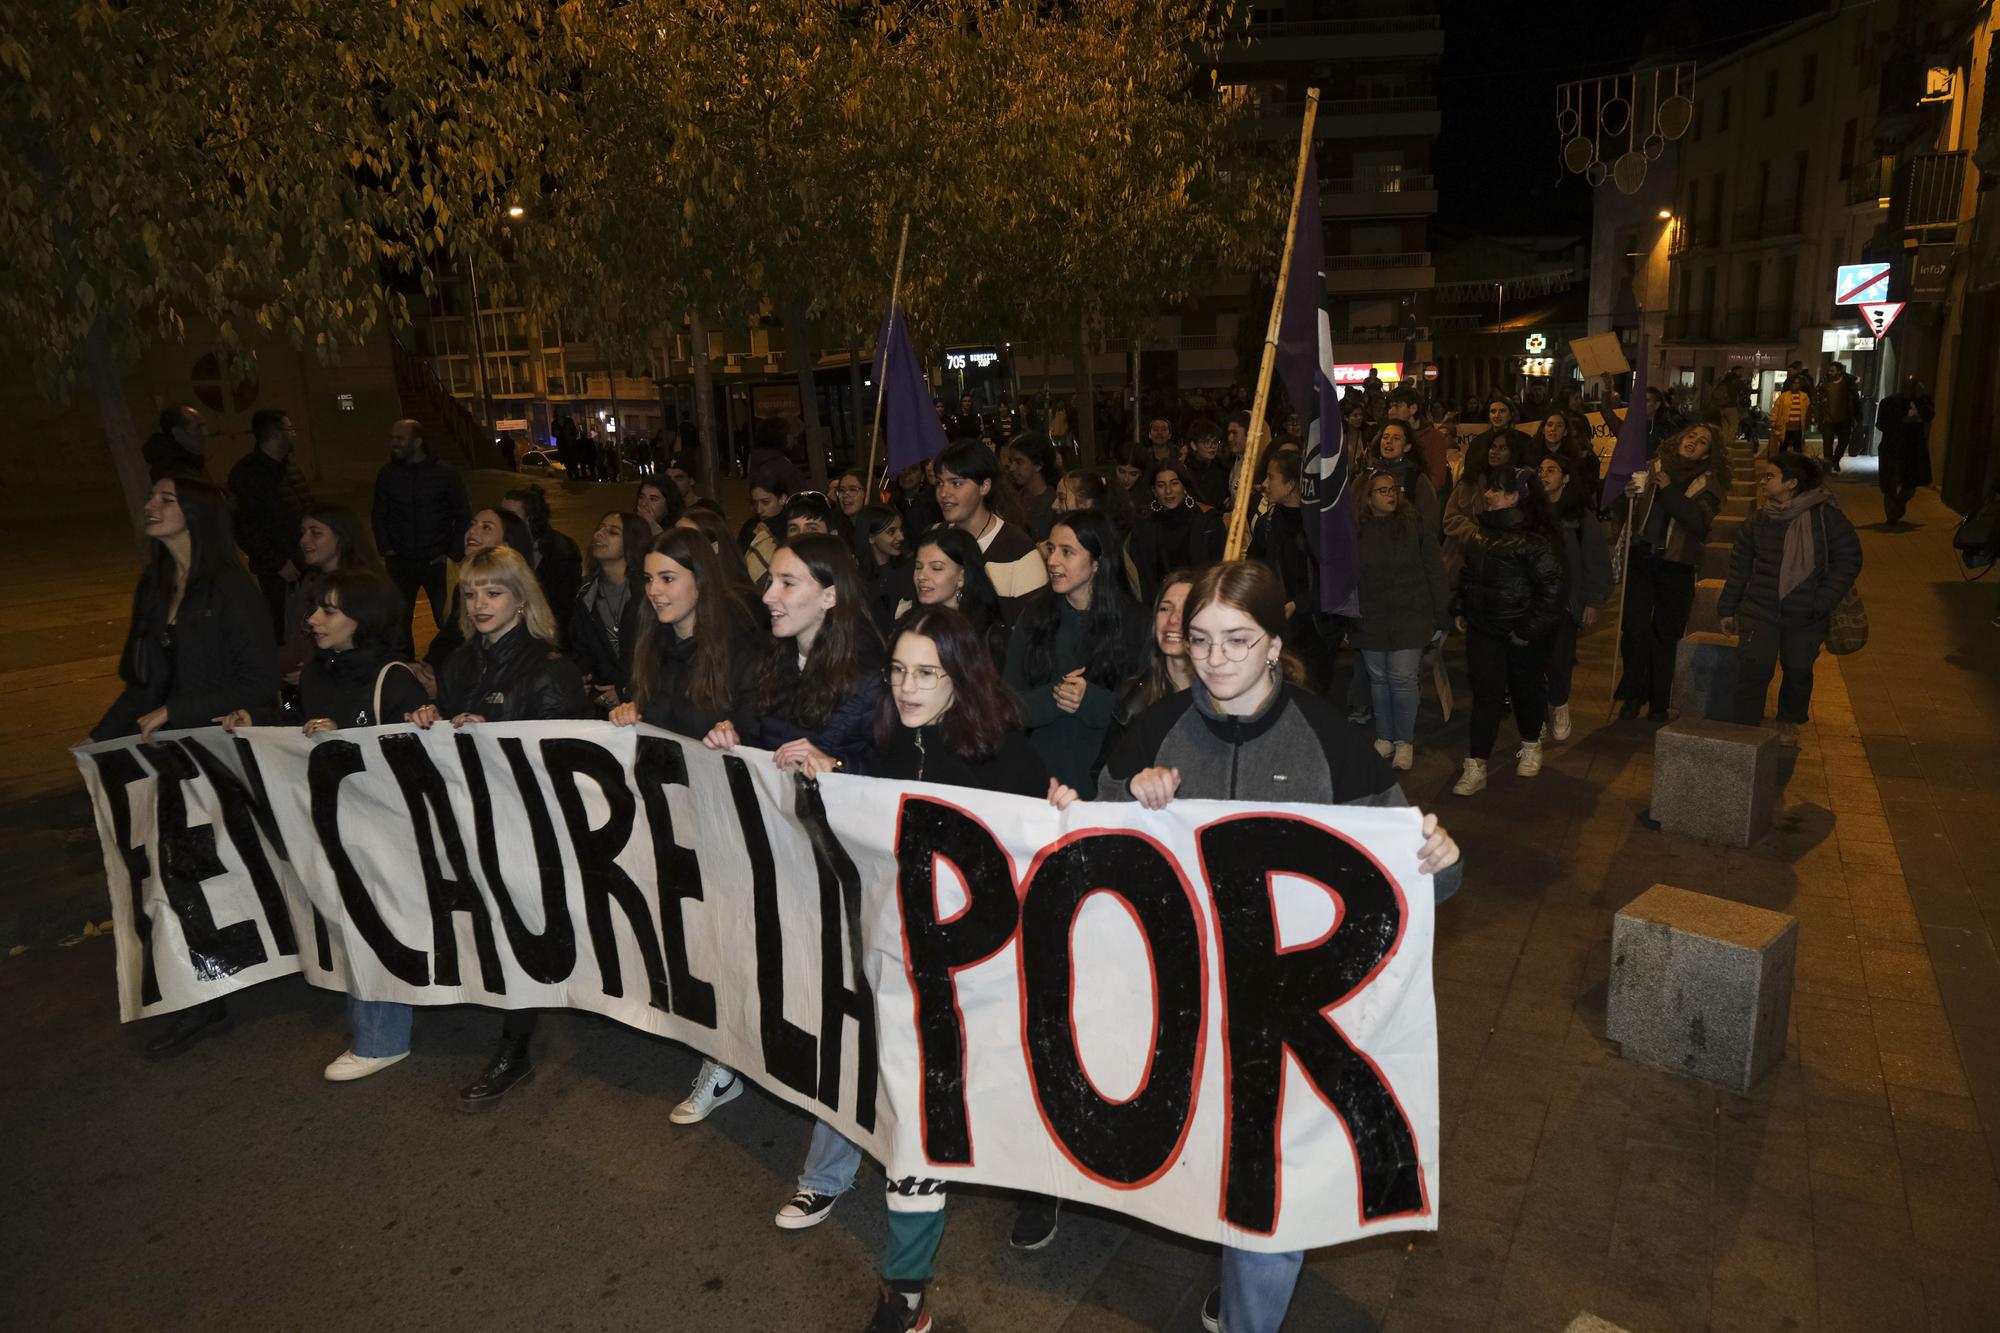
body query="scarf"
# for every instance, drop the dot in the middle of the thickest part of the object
(1800, 554)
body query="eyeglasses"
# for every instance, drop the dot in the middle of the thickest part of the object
(1235, 647)
(923, 677)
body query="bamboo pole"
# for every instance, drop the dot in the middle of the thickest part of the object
(882, 371)
(1238, 538)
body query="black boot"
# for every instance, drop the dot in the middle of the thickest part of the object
(206, 1019)
(508, 1069)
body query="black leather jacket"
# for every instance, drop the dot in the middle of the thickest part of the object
(518, 679)
(1514, 582)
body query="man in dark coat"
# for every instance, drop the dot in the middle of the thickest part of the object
(179, 448)
(271, 498)
(420, 518)
(1904, 420)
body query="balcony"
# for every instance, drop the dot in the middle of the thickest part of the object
(1410, 271)
(1379, 194)
(1352, 118)
(1870, 182)
(1933, 190)
(1775, 219)
(1737, 324)
(1397, 37)
(1696, 234)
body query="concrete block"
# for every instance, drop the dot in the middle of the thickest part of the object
(1701, 985)
(1703, 618)
(1705, 677)
(1724, 527)
(1715, 561)
(1716, 782)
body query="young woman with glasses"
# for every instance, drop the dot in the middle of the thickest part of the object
(1246, 731)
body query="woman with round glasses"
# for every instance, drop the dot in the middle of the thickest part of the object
(947, 718)
(1246, 731)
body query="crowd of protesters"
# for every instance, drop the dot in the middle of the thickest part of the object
(997, 618)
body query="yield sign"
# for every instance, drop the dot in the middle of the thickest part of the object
(1880, 315)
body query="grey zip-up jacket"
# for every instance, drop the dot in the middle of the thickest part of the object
(1296, 748)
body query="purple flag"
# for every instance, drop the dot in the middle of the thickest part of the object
(1634, 445)
(915, 433)
(1305, 364)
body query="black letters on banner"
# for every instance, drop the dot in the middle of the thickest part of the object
(1124, 1143)
(116, 770)
(331, 763)
(1277, 1001)
(187, 857)
(604, 881)
(246, 808)
(658, 765)
(840, 950)
(928, 831)
(550, 956)
(790, 1052)
(424, 795)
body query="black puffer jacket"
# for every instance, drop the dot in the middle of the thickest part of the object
(848, 733)
(420, 511)
(271, 497)
(217, 656)
(1514, 582)
(341, 688)
(1759, 556)
(518, 679)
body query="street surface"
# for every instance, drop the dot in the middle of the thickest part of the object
(1854, 1189)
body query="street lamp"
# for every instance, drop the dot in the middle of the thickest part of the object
(1666, 215)
(516, 211)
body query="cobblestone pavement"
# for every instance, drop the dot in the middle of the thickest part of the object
(1853, 1189)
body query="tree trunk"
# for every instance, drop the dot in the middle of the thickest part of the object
(806, 359)
(1084, 419)
(107, 386)
(704, 406)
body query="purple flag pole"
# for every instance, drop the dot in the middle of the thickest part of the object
(1634, 445)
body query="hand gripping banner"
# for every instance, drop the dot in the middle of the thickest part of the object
(1216, 1017)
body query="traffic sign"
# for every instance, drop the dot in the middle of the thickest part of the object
(1858, 284)
(1430, 370)
(1880, 315)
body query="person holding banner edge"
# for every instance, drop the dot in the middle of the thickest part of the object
(510, 669)
(355, 680)
(1243, 722)
(816, 699)
(199, 648)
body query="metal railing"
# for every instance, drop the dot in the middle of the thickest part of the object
(1776, 218)
(1379, 182)
(1870, 180)
(1407, 259)
(1933, 190)
(1341, 27)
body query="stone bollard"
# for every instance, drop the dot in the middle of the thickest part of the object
(1715, 560)
(1716, 782)
(1705, 677)
(1703, 618)
(1701, 985)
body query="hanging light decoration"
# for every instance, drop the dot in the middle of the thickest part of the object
(1644, 109)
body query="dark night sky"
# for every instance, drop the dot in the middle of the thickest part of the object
(1496, 158)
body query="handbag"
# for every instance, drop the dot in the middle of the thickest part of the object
(380, 677)
(1847, 627)
(1977, 539)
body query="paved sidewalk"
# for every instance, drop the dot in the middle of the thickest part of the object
(1853, 1190)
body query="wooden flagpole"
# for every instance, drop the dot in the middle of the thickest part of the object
(882, 371)
(1238, 537)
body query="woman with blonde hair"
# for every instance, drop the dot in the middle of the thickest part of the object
(509, 669)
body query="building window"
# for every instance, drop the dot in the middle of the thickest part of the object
(1808, 76)
(1771, 94)
(1722, 113)
(1847, 139)
(1697, 120)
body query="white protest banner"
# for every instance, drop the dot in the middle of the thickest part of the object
(1216, 1017)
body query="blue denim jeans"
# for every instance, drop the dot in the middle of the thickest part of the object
(831, 1162)
(1257, 1289)
(381, 1027)
(1392, 679)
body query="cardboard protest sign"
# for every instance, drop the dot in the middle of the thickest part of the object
(1215, 1017)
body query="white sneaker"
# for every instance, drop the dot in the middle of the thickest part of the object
(351, 1066)
(1472, 781)
(1384, 748)
(1528, 759)
(1406, 754)
(1559, 724)
(715, 1085)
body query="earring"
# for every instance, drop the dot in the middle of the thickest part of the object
(1272, 666)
